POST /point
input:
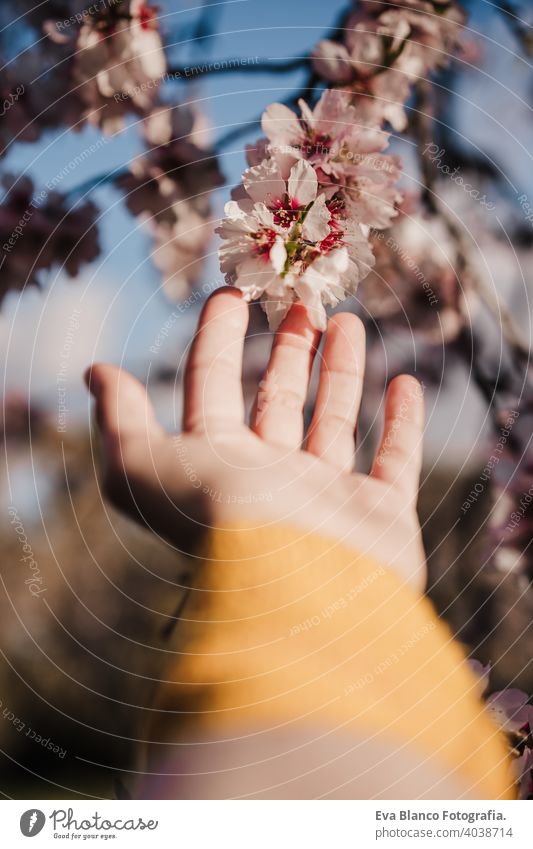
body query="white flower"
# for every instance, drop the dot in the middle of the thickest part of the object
(119, 61)
(344, 145)
(283, 241)
(180, 249)
(169, 188)
(387, 47)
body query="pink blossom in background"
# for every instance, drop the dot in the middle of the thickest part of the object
(385, 49)
(170, 187)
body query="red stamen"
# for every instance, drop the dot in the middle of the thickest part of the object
(147, 16)
(286, 212)
(264, 241)
(333, 240)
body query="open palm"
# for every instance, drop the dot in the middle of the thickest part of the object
(222, 471)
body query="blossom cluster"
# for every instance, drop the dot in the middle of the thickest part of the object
(93, 64)
(117, 49)
(385, 48)
(170, 188)
(299, 227)
(414, 284)
(83, 55)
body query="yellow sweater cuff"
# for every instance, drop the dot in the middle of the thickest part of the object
(287, 629)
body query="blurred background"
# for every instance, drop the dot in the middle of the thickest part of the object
(125, 284)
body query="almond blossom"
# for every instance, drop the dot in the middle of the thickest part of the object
(345, 153)
(169, 187)
(284, 241)
(414, 284)
(386, 48)
(118, 59)
(509, 709)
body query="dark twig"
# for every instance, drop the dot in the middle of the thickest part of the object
(232, 66)
(521, 30)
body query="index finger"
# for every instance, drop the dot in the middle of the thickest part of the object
(213, 377)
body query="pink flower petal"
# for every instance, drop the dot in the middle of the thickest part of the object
(303, 183)
(264, 182)
(280, 125)
(332, 62)
(316, 224)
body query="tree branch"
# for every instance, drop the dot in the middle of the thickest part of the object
(521, 30)
(231, 66)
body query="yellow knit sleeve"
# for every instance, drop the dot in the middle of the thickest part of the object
(285, 627)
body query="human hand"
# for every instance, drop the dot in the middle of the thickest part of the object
(221, 471)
